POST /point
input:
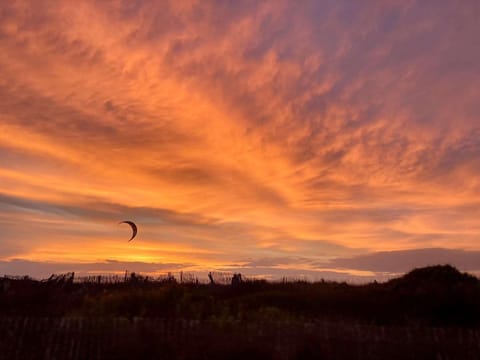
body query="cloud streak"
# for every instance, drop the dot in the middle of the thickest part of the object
(402, 261)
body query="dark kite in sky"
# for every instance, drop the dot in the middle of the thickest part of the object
(133, 226)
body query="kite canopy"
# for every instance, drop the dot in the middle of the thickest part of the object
(133, 226)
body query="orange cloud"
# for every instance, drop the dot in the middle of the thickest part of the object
(234, 131)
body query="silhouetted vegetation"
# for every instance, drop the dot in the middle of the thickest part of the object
(251, 315)
(438, 295)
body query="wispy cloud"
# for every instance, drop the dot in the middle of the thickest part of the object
(238, 130)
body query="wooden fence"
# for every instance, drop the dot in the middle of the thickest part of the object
(139, 338)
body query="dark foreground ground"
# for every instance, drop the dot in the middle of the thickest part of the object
(430, 313)
(140, 338)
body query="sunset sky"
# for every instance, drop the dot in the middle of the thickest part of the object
(318, 139)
